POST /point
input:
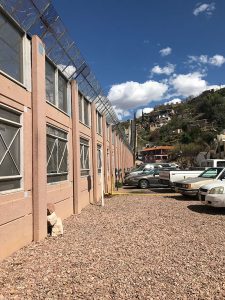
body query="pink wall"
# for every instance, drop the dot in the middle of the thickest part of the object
(23, 212)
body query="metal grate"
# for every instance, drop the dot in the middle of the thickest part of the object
(39, 17)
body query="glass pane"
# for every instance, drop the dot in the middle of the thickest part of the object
(8, 132)
(62, 93)
(83, 141)
(99, 124)
(56, 178)
(2, 148)
(56, 132)
(11, 184)
(62, 155)
(10, 50)
(15, 150)
(50, 143)
(52, 164)
(86, 157)
(8, 115)
(7, 167)
(50, 82)
(80, 107)
(86, 112)
(82, 156)
(84, 172)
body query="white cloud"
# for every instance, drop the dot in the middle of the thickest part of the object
(216, 60)
(167, 70)
(145, 110)
(174, 101)
(190, 84)
(165, 51)
(204, 8)
(121, 113)
(139, 113)
(132, 94)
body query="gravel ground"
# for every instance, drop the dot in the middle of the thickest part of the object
(136, 247)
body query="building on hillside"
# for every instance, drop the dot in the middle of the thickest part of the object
(60, 141)
(156, 154)
(220, 149)
(158, 118)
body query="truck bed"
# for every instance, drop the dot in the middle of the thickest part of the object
(169, 177)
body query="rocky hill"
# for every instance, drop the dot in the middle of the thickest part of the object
(191, 126)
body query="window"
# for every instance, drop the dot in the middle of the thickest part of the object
(56, 87)
(99, 123)
(80, 99)
(57, 155)
(113, 137)
(84, 157)
(10, 169)
(50, 82)
(211, 173)
(62, 93)
(10, 49)
(99, 158)
(84, 110)
(107, 131)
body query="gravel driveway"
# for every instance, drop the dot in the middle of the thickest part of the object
(136, 247)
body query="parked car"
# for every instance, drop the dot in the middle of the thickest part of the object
(190, 186)
(143, 167)
(213, 194)
(213, 163)
(169, 177)
(143, 180)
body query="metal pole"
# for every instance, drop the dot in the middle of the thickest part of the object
(135, 136)
(102, 180)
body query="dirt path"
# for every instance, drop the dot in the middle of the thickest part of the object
(136, 247)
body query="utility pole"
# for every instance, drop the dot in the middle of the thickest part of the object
(135, 138)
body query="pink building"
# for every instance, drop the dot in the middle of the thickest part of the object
(56, 139)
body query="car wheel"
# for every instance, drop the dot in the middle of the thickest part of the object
(143, 184)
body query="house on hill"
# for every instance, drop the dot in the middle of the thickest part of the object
(156, 153)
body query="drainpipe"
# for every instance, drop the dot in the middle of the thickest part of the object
(102, 180)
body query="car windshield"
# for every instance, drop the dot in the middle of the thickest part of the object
(141, 168)
(147, 172)
(211, 173)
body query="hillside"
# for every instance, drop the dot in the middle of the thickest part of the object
(193, 124)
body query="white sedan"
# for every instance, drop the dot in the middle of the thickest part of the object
(213, 194)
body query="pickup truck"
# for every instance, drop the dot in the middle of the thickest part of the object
(191, 186)
(170, 176)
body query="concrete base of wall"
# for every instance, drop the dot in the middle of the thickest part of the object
(15, 235)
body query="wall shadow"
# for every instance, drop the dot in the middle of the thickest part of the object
(184, 198)
(204, 209)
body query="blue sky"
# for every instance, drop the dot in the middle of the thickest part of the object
(147, 52)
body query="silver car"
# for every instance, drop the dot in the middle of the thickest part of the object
(144, 179)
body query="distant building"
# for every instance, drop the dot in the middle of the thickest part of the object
(158, 118)
(156, 154)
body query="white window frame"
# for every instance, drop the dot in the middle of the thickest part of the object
(25, 57)
(99, 158)
(57, 139)
(107, 131)
(82, 100)
(84, 143)
(56, 89)
(99, 124)
(20, 130)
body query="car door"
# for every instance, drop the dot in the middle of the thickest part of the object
(153, 178)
